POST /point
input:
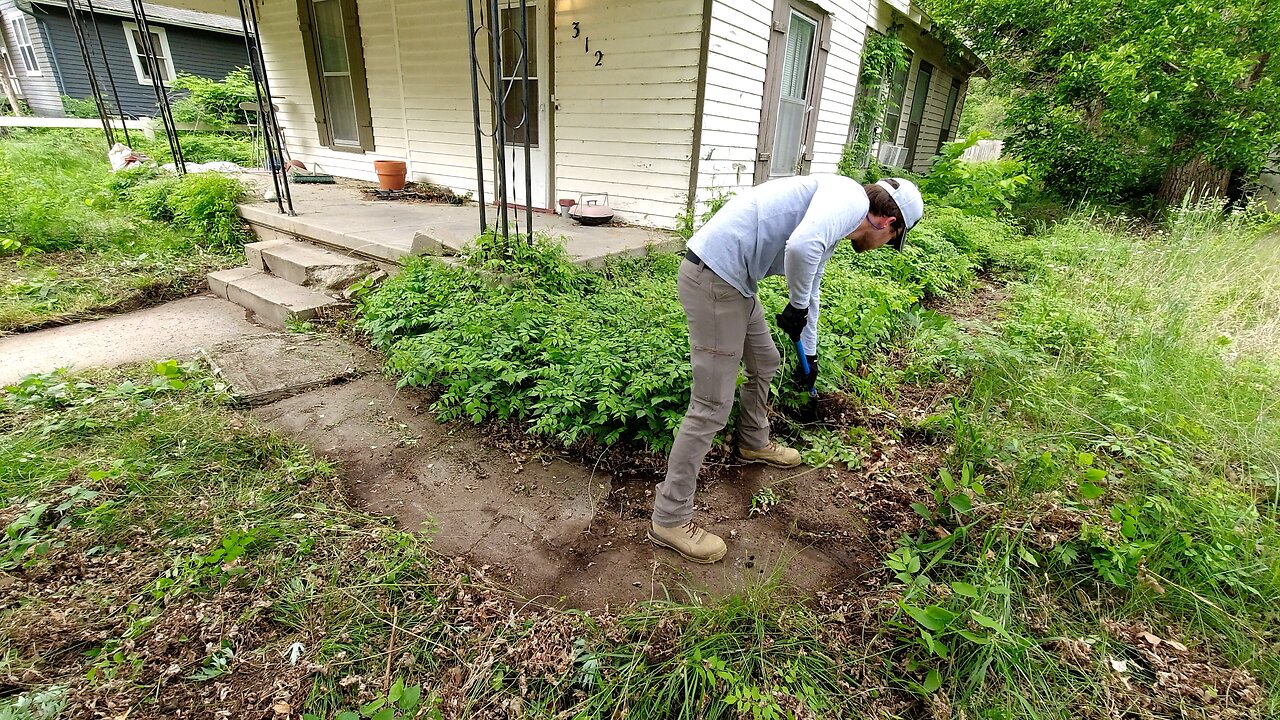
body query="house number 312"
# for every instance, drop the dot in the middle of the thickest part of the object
(586, 45)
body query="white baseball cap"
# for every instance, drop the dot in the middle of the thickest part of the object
(910, 203)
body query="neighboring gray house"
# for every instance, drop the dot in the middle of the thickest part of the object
(47, 61)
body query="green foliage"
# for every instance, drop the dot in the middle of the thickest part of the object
(205, 204)
(1134, 406)
(1107, 96)
(977, 188)
(201, 147)
(76, 245)
(882, 56)
(79, 107)
(214, 102)
(44, 704)
(202, 203)
(401, 701)
(986, 103)
(685, 226)
(520, 334)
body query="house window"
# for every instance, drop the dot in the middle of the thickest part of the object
(919, 99)
(8, 66)
(949, 116)
(798, 46)
(893, 109)
(141, 61)
(793, 100)
(25, 48)
(519, 123)
(335, 64)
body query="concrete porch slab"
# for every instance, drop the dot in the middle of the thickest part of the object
(341, 217)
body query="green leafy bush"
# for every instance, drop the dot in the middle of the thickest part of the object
(201, 147)
(977, 188)
(214, 102)
(83, 108)
(204, 203)
(521, 334)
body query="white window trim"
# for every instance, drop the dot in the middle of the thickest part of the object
(129, 29)
(8, 21)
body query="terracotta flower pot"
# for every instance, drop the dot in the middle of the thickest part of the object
(391, 174)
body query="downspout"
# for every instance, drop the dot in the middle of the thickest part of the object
(404, 110)
(699, 106)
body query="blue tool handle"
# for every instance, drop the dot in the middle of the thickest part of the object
(804, 365)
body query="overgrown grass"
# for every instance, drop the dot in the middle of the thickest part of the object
(181, 549)
(1124, 410)
(77, 240)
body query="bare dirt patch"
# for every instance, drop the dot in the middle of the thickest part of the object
(566, 531)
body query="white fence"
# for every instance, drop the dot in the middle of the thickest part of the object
(147, 126)
(984, 150)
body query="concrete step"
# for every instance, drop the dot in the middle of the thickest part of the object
(307, 265)
(272, 299)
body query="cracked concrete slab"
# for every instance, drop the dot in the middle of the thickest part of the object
(265, 368)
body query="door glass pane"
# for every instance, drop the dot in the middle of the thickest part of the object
(511, 50)
(340, 101)
(788, 138)
(953, 97)
(795, 64)
(517, 123)
(918, 101)
(329, 33)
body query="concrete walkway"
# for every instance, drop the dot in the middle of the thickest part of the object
(175, 330)
(343, 217)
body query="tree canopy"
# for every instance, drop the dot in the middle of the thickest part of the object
(1112, 99)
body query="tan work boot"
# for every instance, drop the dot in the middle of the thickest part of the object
(689, 540)
(779, 456)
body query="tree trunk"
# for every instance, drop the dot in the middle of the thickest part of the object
(1193, 179)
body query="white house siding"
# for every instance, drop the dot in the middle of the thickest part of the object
(737, 60)
(625, 127)
(737, 54)
(287, 69)
(41, 90)
(848, 33)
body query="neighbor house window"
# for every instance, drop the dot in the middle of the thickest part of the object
(8, 66)
(25, 48)
(949, 115)
(335, 65)
(138, 52)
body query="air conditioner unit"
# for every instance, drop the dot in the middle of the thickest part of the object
(892, 155)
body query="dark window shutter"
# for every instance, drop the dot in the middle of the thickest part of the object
(313, 71)
(359, 83)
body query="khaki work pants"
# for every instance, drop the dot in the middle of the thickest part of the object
(725, 330)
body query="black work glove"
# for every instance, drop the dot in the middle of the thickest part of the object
(811, 379)
(792, 321)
